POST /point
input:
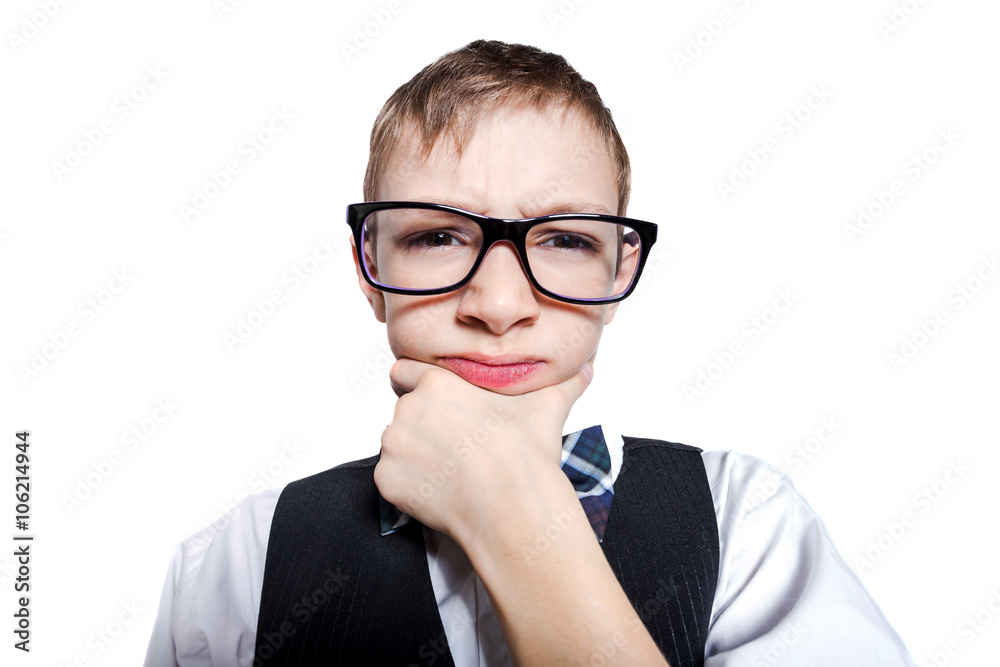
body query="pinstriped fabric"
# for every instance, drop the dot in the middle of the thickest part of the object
(662, 541)
(336, 592)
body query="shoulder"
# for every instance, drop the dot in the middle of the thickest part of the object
(741, 483)
(241, 534)
(760, 514)
(738, 482)
(629, 443)
(784, 589)
(208, 606)
(359, 469)
(239, 537)
(212, 568)
(211, 596)
(349, 488)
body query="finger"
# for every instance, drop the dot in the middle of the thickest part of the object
(572, 388)
(406, 373)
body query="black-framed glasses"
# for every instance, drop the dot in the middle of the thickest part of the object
(421, 248)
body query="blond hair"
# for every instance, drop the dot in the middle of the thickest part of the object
(451, 95)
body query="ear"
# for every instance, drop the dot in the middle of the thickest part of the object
(376, 299)
(609, 314)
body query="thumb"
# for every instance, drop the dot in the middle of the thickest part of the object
(574, 386)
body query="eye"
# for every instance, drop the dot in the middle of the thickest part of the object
(435, 238)
(568, 242)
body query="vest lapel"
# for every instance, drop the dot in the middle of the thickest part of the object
(380, 608)
(662, 541)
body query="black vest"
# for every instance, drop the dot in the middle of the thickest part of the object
(336, 592)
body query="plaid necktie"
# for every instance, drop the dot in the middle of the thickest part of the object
(587, 464)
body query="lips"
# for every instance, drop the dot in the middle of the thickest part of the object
(493, 372)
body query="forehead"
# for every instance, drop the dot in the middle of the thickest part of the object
(527, 159)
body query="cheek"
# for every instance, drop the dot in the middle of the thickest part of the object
(411, 323)
(397, 327)
(579, 337)
(403, 340)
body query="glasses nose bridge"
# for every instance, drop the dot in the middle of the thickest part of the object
(502, 230)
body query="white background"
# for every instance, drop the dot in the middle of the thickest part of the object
(300, 376)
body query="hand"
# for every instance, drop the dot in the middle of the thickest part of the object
(457, 456)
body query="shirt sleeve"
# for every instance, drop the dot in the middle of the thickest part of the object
(785, 596)
(208, 608)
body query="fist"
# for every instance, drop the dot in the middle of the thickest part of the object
(457, 456)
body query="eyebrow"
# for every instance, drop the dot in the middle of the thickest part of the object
(572, 207)
(550, 209)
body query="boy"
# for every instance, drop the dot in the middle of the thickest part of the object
(495, 326)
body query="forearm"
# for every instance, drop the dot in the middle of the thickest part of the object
(556, 597)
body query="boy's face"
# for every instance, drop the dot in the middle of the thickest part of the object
(497, 332)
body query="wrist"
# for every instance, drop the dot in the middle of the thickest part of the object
(538, 516)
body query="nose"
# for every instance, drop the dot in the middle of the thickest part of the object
(499, 296)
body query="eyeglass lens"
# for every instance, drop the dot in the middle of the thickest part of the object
(424, 249)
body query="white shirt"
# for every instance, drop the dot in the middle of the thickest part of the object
(784, 594)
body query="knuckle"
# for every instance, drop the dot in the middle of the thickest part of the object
(380, 476)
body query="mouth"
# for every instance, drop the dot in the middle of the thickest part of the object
(493, 372)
